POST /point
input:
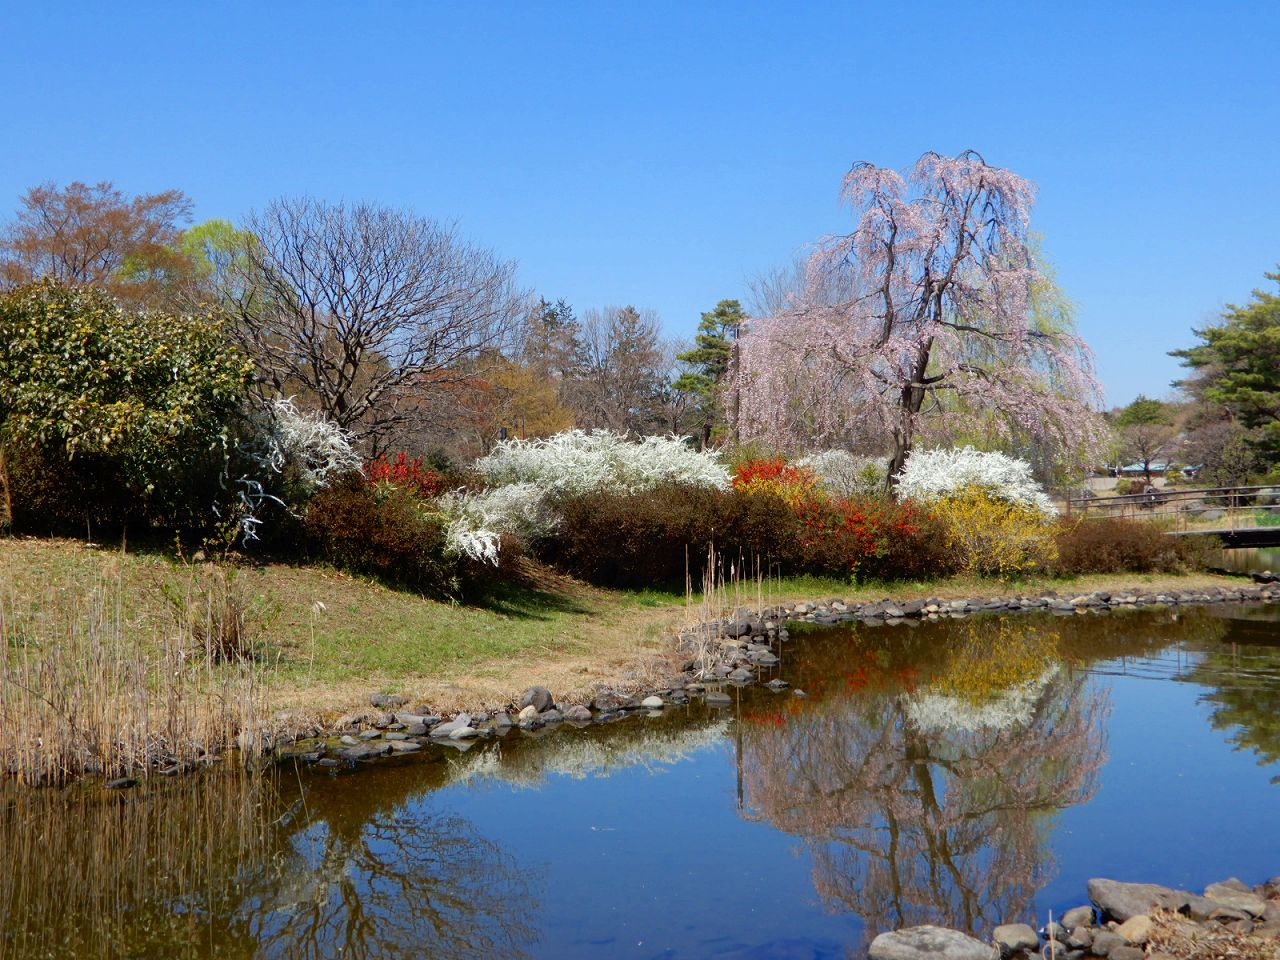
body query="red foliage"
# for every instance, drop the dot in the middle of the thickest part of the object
(407, 473)
(846, 533)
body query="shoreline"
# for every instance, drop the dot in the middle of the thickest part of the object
(733, 651)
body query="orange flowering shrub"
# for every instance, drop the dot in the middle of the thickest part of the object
(859, 536)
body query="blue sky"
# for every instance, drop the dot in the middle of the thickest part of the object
(662, 154)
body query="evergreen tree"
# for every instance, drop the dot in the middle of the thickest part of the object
(710, 358)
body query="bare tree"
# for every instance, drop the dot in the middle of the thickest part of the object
(364, 309)
(623, 373)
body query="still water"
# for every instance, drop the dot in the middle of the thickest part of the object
(965, 773)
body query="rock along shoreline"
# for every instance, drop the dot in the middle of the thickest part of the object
(1122, 921)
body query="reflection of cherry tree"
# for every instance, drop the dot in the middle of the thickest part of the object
(909, 825)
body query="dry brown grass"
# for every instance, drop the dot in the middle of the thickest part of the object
(83, 691)
(1176, 936)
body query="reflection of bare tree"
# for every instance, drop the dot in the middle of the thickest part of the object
(257, 866)
(373, 880)
(909, 825)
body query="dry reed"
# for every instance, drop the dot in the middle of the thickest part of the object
(84, 691)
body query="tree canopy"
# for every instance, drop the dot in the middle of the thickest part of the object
(923, 310)
(1237, 366)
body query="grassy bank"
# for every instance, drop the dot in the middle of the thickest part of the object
(322, 640)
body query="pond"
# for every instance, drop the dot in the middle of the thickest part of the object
(961, 772)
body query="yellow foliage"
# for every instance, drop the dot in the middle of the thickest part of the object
(994, 538)
(994, 655)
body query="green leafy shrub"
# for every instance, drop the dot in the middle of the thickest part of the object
(653, 537)
(1124, 546)
(144, 398)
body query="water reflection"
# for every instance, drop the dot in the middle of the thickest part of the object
(1241, 679)
(923, 776)
(922, 791)
(258, 866)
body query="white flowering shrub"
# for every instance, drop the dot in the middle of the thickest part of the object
(312, 448)
(937, 474)
(477, 520)
(577, 462)
(526, 474)
(842, 474)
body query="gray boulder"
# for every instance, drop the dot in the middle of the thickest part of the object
(445, 730)
(608, 701)
(387, 701)
(1234, 894)
(577, 713)
(930, 943)
(1012, 937)
(1120, 901)
(539, 697)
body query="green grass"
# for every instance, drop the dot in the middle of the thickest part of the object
(325, 639)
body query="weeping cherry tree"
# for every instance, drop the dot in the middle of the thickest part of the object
(923, 311)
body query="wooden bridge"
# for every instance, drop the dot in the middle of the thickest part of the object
(1238, 516)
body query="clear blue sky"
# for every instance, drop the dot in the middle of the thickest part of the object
(661, 154)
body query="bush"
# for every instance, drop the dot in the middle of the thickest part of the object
(150, 399)
(408, 473)
(842, 474)
(992, 537)
(654, 537)
(932, 475)
(1124, 546)
(384, 533)
(86, 496)
(578, 462)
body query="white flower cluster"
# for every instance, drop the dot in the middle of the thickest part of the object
(314, 447)
(478, 520)
(934, 474)
(842, 474)
(525, 474)
(1014, 706)
(576, 461)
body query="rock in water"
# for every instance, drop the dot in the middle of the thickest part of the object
(578, 714)
(652, 703)
(930, 943)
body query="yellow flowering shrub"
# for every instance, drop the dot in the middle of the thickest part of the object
(995, 538)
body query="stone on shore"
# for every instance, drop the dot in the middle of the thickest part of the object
(539, 697)
(577, 714)
(1136, 930)
(1232, 893)
(1012, 937)
(1120, 901)
(930, 943)
(1077, 917)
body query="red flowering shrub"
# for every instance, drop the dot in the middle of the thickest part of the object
(408, 474)
(775, 477)
(859, 536)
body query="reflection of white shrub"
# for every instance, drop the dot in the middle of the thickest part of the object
(1013, 706)
(935, 474)
(581, 757)
(842, 474)
(576, 462)
(526, 474)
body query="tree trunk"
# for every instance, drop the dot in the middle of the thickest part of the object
(912, 399)
(6, 498)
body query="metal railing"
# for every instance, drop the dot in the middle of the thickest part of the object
(1190, 510)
